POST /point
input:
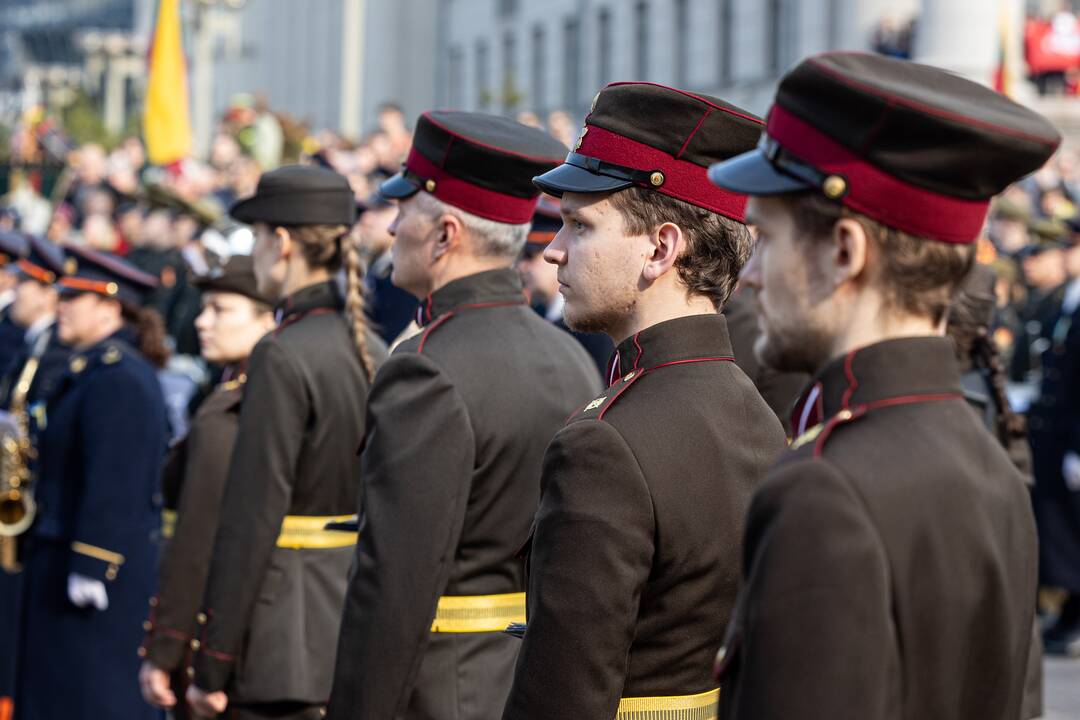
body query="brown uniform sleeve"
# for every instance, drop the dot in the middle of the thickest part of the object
(273, 419)
(813, 629)
(590, 558)
(186, 561)
(417, 469)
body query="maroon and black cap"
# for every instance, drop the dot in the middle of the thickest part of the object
(658, 138)
(480, 163)
(298, 195)
(912, 146)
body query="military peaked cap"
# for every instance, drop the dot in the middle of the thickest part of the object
(237, 275)
(44, 261)
(480, 163)
(13, 245)
(658, 138)
(87, 270)
(914, 147)
(546, 223)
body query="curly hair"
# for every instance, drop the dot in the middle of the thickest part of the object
(717, 247)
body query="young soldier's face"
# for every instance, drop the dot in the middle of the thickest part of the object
(794, 307)
(599, 265)
(229, 326)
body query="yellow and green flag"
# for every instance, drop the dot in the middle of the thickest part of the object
(166, 122)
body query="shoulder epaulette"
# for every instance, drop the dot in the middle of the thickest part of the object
(595, 410)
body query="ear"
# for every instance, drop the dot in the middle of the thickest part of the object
(850, 250)
(284, 242)
(667, 242)
(450, 232)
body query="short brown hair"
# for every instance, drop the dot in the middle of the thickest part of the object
(716, 247)
(919, 276)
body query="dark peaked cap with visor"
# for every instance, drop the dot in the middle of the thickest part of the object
(914, 147)
(480, 163)
(659, 138)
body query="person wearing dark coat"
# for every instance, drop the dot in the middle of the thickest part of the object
(234, 318)
(37, 368)
(457, 423)
(1054, 427)
(275, 587)
(890, 556)
(389, 308)
(633, 559)
(91, 552)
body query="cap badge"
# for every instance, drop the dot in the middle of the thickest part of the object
(577, 145)
(657, 179)
(429, 185)
(834, 187)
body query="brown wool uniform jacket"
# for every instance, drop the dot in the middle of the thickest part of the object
(457, 425)
(890, 557)
(193, 482)
(273, 612)
(633, 567)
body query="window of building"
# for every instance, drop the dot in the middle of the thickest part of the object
(681, 42)
(483, 76)
(723, 47)
(455, 80)
(539, 66)
(507, 8)
(511, 85)
(641, 40)
(603, 47)
(571, 64)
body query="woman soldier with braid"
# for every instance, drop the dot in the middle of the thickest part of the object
(267, 634)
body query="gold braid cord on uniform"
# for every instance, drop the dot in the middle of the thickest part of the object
(703, 706)
(478, 613)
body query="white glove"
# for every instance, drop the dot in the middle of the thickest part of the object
(87, 592)
(1070, 469)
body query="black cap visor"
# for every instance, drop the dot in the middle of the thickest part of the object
(399, 187)
(753, 174)
(583, 174)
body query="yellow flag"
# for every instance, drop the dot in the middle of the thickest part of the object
(166, 124)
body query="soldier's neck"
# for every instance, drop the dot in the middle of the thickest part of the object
(653, 311)
(299, 278)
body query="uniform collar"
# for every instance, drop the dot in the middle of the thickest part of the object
(313, 297)
(902, 370)
(695, 337)
(491, 287)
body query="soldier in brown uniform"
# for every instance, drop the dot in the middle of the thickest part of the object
(890, 560)
(276, 585)
(458, 420)
(633, 564)
(234, 317)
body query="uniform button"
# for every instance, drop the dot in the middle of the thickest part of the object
(201, 618)
(110, 572)
(322, 712)
(153, 601)
(195, 644)
(147, 625)
(141, 652)
(191, 673)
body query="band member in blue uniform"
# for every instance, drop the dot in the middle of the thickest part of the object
(90, 555)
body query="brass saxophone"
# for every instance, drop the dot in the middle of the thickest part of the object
(17, 507)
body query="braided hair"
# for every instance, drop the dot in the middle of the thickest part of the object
(332, 247)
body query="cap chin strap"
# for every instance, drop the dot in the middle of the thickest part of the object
(611, 170)
(788, 164)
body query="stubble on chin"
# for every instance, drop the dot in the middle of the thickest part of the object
(598, 319)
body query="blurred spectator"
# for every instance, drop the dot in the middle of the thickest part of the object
(893, 37)
(389, 308)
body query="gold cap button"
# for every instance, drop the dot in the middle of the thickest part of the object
(429, 186)
(112, 288)
(834, 187)
(195, 644)
(657, 179)
(844, 415)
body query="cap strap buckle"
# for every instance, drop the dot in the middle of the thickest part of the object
(646, 178)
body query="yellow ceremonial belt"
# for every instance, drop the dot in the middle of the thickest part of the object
(308, 532)
(703, 706)
(168, 523)
(478, 613)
